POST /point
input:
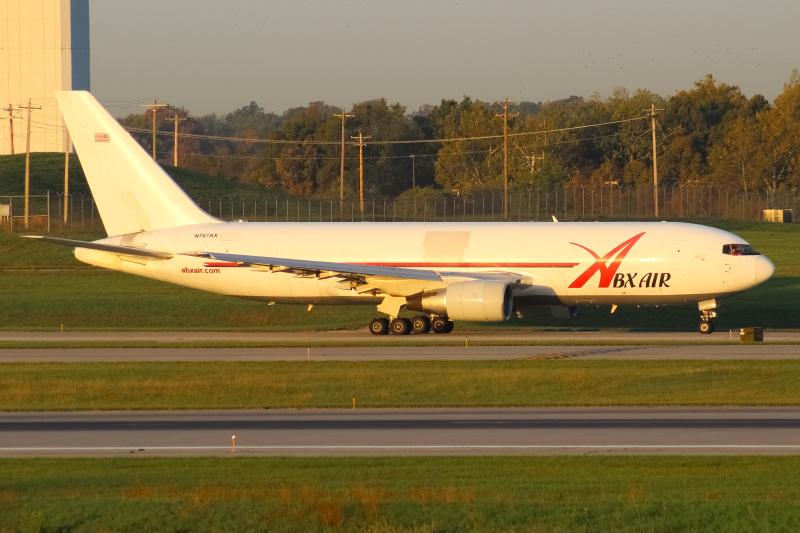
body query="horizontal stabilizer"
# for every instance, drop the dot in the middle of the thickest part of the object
(126, 250)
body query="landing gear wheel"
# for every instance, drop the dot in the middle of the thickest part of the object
(420, 324)
(440, 324)
(706, 327)
(400, 326)
(379, 326)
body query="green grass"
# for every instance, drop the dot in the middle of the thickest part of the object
(315, 384)
(47, 174)
(92, 299)
(396, 494)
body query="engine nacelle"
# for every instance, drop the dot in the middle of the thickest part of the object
(473, 301)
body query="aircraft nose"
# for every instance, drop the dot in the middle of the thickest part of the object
(764, 269)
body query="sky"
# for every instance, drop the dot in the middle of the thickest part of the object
(217, 56)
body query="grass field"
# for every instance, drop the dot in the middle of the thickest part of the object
(381, 384)
(44, 287)
(422, 495)
(47, 174)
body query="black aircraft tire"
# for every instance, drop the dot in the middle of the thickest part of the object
(379, 326)
(706, 327)
(400, 326)
(439, 324)
(420, 325)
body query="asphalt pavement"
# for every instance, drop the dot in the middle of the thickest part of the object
(542, 431)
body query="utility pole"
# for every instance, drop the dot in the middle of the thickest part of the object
(361, 146)
(413, 173)
(505, 103)
(344, 116)
(28, 162)
(11, 126)
(66, 180)
(655, 161)
(533, 161)
(176, 119)
(155, 105)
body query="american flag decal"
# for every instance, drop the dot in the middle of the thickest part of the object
(102, 138)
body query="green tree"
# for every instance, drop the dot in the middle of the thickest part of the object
(470, 165)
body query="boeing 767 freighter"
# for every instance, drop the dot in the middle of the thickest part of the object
(444, 271)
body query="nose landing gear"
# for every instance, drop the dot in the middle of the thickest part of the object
(707, 312)
(706, 327)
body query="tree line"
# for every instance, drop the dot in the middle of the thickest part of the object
(711, 134)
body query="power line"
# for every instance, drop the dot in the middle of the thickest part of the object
(417, 141)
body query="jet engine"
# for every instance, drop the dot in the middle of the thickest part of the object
(473, 301)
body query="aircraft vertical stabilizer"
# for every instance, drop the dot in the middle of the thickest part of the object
(132, 192)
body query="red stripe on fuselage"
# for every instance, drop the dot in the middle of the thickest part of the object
(223, 264)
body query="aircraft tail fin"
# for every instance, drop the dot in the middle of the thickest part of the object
(131, 191)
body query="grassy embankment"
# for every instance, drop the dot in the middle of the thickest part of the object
(421, 494)
(317, 384)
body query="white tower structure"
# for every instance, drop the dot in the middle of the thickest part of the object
(44, 47)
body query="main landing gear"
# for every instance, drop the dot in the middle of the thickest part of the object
(417, 325)
(707, 312)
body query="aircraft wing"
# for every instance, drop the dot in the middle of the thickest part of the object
(125, 250)
(323, 268)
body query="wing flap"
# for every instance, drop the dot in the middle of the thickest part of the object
(325, 268)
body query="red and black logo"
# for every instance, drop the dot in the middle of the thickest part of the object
(601, 264)
(610, 263)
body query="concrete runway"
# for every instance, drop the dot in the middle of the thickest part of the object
(389, 353)
(555, 431)
(392, 351)
(363, 336)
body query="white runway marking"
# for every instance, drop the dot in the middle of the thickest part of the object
(419, 447)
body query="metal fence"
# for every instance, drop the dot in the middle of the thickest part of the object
(564, 203)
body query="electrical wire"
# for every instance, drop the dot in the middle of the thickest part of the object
(418, 141)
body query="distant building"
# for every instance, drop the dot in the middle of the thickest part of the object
(44, 47)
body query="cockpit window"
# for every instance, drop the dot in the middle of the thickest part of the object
(738, 249)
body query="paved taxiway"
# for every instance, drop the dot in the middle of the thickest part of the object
(393, 351)
(554, 431)
(390, 353)
(363, 336)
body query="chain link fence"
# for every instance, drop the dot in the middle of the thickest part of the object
(46, 212)
(565, 203)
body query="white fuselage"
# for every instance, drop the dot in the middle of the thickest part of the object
(562, 263)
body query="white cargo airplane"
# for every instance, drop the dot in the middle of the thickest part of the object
(445, 271)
